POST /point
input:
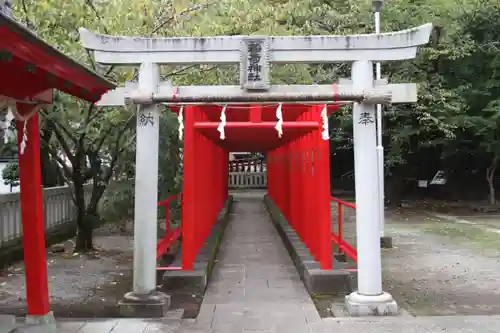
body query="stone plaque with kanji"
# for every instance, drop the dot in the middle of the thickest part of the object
(254, 66)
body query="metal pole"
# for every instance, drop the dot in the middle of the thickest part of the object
(380, 147)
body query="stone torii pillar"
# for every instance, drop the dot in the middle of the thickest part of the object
(254, 54)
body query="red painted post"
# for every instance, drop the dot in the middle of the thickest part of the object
(271, 175)
(190, 204)
(304, 191)
(207, 186)
(277, 175)
(223, 175)
(200, 204)
(284, 181)
(296, 185)
(218, 178)
(32, 216)
(226, 175)
(204, 171)
(314, 204)
(290, 180)
(340, 225)
(280, 184)
(325, 228)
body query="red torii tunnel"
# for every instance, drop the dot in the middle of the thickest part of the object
(298, 174)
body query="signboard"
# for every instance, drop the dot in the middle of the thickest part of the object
(438, 179)
(254, 65)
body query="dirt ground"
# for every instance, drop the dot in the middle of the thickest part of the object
(441, 264)
(87, 286)
(84, 286)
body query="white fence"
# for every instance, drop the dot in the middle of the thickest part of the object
(247, 179)
(247, 173)
(59, 209)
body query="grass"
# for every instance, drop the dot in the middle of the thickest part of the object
(477, 235)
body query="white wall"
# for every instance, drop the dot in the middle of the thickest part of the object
(5, 188)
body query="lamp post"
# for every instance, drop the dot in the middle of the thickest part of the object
(385, 242)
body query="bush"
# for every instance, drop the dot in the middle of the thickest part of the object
(11, 175)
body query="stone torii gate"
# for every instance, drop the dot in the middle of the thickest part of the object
(254, 54)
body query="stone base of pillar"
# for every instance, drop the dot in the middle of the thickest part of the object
(47, 319)
(37, 324)
(152, 305)
(386, 242)
(363, 306)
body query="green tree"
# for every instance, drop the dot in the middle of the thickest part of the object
(10, 175)
(475, 76)
(88, 142)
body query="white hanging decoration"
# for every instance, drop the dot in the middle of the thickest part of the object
(279, 117)
(180, 119)
(12, 114)
(325, 135)
(25, 119)
(222, 123)
(24, 142)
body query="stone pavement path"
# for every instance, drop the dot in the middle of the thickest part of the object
(255, 285)
(454, 324)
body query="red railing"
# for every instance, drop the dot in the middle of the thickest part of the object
(338, 239)
(170, 235)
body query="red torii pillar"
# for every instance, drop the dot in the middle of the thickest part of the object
(32, 217)
(32, 214)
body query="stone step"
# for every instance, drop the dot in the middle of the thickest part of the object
(7, 323)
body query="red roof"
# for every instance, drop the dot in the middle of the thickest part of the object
(30, 66)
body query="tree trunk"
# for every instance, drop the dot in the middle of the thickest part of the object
(84, 233)
(84, 239)
(490, 175)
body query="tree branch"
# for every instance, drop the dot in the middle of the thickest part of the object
(27, 20)
(67, 173)
(60, 138)
(182, 13)
(57, 123)
(99, 17)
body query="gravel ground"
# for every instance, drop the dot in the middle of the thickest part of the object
(79, 285)
(437, 267)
